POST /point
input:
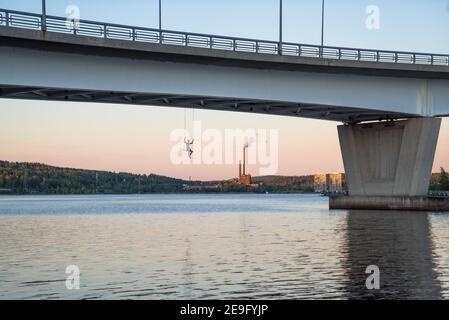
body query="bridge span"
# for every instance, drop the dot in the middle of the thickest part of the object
(107, 63)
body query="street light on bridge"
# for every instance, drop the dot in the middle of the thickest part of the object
(322, 28)
(160, 14)
(280, 27)
(281, 23)
(44, 16)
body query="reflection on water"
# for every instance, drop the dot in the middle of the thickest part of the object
(217, 246)
(400, 244)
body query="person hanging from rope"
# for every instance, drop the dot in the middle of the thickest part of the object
(188, 143)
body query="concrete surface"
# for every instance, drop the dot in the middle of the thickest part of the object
(143, 50)
(329, 96)
(389, 158)
(429, 204)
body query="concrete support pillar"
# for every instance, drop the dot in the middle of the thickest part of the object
(389, 158)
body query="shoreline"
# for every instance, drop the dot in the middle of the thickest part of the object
(155, 193)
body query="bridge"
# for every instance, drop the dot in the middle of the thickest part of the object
(390, 103)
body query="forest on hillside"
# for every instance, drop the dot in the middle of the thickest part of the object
(36, 178)
(25, 178)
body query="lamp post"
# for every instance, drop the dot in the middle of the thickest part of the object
(44, 16)
(160, 14)
(280, 27)
(160, 21)
(322, 28)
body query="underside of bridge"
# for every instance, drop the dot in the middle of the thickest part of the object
(303, 110)
(64, 67)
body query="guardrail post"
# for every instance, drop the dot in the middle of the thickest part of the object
(134, 34)
(105, 31)
(7, 19)
(414, 58)
(432, 59)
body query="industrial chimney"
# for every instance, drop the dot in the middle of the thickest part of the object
(244, 159)
(240, 170)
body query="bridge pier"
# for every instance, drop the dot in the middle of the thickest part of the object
(388, 165)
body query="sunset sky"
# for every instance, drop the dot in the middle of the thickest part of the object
(136, 139)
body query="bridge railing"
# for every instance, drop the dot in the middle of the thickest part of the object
(18, 19)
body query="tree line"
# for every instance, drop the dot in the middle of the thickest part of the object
(35, 178)
(442, 183)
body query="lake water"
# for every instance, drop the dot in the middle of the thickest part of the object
(217, 247)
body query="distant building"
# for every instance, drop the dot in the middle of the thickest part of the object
(244, 178)
(216, 187)
(335, 182)
(319, 182)
(330, 182)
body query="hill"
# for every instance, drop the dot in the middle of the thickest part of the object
(23, 178)
(37, 178)
(286, 183)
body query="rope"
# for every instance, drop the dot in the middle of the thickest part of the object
(186, 115)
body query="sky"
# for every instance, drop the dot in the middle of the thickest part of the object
(136, 139)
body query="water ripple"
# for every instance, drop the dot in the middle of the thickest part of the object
(217, 247)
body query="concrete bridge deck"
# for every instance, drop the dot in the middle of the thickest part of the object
(191, 75)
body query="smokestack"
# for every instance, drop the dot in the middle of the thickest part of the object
(240, 169)
(244, 160)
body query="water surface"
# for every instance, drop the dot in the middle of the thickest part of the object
(217, 247)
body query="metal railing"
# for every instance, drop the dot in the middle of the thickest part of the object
(18, 19)
(439, 194)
